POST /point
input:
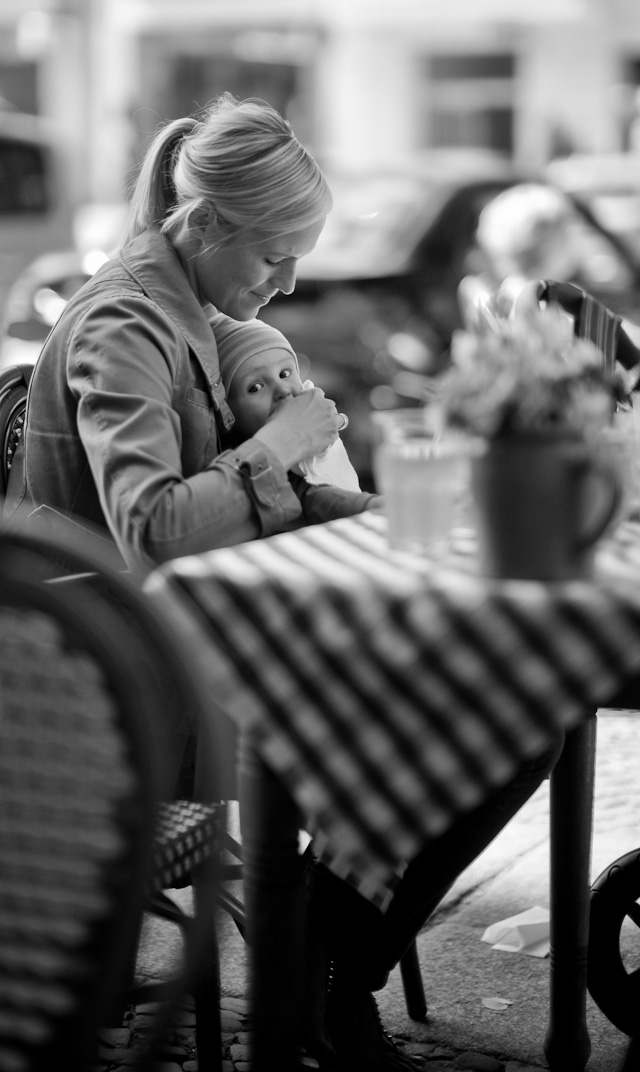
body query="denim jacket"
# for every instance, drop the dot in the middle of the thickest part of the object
(125, 415)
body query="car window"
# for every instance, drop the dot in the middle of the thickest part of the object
(379, 223)
(609, 185)
(619, 212)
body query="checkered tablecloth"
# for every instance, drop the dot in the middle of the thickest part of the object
(391, 693)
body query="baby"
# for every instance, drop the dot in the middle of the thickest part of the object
(255, 359)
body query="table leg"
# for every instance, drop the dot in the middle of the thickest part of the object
(275, 913)
(567, 1046)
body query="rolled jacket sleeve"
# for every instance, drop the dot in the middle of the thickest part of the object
(325, 502)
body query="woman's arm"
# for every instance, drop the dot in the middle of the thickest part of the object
(148, 427)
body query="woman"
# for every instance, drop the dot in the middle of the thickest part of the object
(125, 419)
(126, 410)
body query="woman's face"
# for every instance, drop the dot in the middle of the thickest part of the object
(240, 279)
(263, 382)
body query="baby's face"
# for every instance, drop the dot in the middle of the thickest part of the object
(262, 382)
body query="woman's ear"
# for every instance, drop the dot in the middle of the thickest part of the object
(200, 219)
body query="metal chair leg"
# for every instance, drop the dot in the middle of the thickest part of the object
(412, 983)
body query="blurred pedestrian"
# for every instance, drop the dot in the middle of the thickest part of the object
(531, 231)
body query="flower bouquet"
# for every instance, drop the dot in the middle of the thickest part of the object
(527, 376)
(540, 400)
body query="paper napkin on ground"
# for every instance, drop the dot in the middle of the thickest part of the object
(528, 932)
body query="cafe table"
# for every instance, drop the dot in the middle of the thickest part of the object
(380, 694)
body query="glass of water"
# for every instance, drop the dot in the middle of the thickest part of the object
(423, 474)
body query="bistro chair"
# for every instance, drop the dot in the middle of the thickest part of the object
(14, 383)
(80, 784)
(63, 560)
(147, 648)
(592, 320)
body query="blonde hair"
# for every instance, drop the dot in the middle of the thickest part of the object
(239, 160)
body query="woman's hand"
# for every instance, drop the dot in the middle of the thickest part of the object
(301, 427)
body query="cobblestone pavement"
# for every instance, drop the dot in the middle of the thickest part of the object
(117, 1046)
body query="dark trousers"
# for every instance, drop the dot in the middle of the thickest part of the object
(365, 944)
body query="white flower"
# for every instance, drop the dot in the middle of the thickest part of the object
(523, 375)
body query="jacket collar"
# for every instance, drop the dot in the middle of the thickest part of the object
(154, 264)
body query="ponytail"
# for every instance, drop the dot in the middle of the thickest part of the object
(154, 195)
(242, 160)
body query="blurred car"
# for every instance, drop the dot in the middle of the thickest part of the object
(36, 300)
(609, 183)
(376, 303)
(41, 291)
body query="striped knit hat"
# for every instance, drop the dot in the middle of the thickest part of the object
(238, 340)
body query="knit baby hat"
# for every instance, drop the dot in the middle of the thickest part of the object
(238, 340)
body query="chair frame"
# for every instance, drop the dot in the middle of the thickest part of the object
(14, 384)
(72, 1038)
(74, 561)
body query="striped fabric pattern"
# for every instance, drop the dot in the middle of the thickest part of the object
(601, 326)
(592, 319)
(391, 693)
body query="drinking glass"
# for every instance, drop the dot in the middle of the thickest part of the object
(423, 473)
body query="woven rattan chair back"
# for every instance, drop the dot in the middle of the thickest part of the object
(593, 321)
(79, 792)
(159, 636)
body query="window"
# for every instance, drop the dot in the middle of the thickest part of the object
(469, 102)
(23, 177)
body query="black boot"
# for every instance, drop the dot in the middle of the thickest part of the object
(360, 1042)
(317, 983)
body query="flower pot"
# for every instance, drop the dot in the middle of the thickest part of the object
(541, 504)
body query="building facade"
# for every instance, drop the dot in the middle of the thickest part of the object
(364, 80)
